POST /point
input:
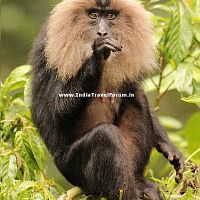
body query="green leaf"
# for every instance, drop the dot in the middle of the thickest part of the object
(179, 36)
(16, 80)
(196, 31)
(37, 147)
(8, 169)
(38, 196)
(48, 194)
(24, 186)
(162, 7)
(17, 106)
(11, 86)
(196, 74)
(27, 93)
(23, 147)
(184, 76)
(17, 73)
(192, 133)
(197, 7)
(170, 122)
(192, 99)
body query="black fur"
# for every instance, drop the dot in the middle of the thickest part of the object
(109, 157)
(103, 3)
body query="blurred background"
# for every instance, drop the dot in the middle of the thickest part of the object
(21, 21)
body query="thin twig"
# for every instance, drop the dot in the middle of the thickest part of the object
(165, 76)
(154, 83)
(163, 94)
(158, 95)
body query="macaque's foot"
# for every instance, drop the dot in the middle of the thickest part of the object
(175, 158)
(150, 189)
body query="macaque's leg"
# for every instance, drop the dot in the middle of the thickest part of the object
(99, 165)
(135, 123)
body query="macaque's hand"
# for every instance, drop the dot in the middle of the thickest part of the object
(104, 46)
(175, 158)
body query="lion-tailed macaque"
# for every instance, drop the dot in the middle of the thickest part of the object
(99, 144)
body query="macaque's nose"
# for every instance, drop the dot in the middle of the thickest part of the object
(102, 29)
(102, 33)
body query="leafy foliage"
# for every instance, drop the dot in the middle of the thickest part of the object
(179, 48)
(23, 155)
(22, 151)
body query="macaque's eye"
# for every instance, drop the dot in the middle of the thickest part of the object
(94, 15)
(111, 16)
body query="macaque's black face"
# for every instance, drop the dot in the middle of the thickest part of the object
(101, 21)
(102, 18)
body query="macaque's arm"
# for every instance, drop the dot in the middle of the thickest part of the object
(165, 146)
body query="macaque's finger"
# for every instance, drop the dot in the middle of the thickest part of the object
(175, 158)
(107, 53)
(178, 164)
(170, 156)
(179, 170)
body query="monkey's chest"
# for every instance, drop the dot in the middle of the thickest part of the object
(99, 110)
